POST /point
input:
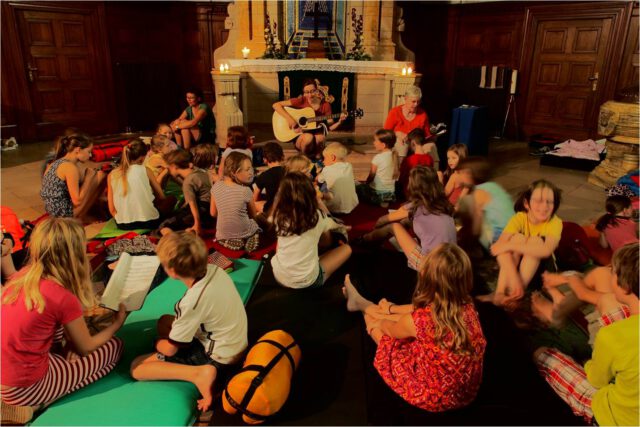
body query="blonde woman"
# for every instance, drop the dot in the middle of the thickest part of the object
(41, 302)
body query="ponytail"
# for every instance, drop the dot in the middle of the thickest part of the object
(124, 166)
(614, 205)
(131, 152)
(605, 221)
(67, 143)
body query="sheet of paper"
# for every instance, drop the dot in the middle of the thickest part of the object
(130, 281)
(483, 76)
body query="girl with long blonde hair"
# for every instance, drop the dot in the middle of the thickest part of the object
(41, 302)
(131, 188)
(430, 352)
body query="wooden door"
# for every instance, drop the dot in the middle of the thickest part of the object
(66, 84)
(566, 76)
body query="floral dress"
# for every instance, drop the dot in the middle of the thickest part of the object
(55, 193)
(427, 375)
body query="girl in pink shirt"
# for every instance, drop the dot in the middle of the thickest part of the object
(617, 227)
(41, 302)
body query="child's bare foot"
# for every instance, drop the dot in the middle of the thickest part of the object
(355, 301)
(204, 382)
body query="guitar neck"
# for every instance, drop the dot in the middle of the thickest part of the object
(321, 118)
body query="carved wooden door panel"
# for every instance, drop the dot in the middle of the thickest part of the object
(59, 50)
(566, 76)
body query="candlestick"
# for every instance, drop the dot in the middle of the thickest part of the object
(245, 52)
(514, 82)
(404, 71)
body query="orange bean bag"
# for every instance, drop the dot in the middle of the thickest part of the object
(262, 385)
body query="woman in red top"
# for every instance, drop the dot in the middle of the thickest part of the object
(405, 118)
(41, 302)
(430, 352)
(308, 143)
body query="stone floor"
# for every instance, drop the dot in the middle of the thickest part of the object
(582, 202)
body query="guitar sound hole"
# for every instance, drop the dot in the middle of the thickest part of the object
(302, 121)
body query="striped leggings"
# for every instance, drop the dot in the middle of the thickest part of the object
(66, 375)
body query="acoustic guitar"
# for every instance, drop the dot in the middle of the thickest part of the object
(306, 119)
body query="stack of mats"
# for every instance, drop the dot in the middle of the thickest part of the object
(118, 399)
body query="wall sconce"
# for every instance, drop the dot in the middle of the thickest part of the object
(245, 52)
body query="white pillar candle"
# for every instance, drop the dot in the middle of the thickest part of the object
(221, 68)
(409, 71)
(226, 68)
(245, 52)
(404, 71)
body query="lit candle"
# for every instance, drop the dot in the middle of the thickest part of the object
(245, 52)
(409, 71)
(221, 68)
(226, 68)
(404, 71)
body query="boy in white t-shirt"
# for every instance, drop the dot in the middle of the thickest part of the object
(337, 174)
(208, 333)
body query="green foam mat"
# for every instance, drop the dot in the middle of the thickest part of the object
(110, 230)
(118, 399)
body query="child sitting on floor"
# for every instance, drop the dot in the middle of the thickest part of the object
(160, 145)
(196, 187)
(165, 130)
(617, 227)
(204, 157)
(451, 179)
(67, 190)
(488, 208)
(527, 242)
(605, 391)
(420, 157)
(269, 180)
(237, 140)
(131, 188)
(301, 163)
(41, 303)
(380, 187)
(337, 174)
(430, 352)
(429, 213)
(208, 334)
(232, 203)
(301, 227)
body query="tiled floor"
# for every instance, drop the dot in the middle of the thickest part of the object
(582, 202)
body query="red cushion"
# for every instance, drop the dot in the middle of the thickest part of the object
(262, 251)
(107, 151)
(226, 251)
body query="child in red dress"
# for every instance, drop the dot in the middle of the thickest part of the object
(430, 352)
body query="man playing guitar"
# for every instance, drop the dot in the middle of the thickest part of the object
(310, 143)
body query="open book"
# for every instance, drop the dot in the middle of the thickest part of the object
(130, 281)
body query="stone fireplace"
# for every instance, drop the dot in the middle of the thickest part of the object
(246, 89)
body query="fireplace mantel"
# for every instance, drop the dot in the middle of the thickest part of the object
(275, 65)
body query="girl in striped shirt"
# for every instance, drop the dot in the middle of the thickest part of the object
(232, 202)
